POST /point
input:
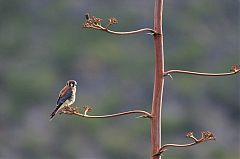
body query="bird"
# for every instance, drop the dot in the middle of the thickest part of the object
(66, 97)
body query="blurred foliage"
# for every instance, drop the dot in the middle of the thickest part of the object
(42, 45)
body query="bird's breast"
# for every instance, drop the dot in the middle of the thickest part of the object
(73, 97)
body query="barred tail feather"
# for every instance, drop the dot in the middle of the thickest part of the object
(54, 112)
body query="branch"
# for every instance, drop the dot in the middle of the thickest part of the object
(73, 111)
(95, 23)
(206, 136)
(234, 70)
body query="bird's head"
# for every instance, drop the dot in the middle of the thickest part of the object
(71, 83)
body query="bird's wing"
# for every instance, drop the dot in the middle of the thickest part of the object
(64, 95)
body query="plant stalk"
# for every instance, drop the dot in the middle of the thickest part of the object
(158, 80)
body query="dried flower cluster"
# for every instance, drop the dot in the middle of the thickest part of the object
(87, 109)
(92, 22)
(95, 23)
(206, 135)
(190, 135)
(235, 68)
(69, 110)
(112, 21)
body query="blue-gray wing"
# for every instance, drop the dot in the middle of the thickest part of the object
(65, 96)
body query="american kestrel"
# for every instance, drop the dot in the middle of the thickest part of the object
(66, 97)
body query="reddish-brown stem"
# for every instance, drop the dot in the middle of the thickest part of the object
(200, 73)
(177, 145)
(158, 80)
(164, 147)
(131, 32)
(206, 136)
(85, 115)
(124, 33)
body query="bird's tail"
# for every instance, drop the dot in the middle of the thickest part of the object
(54, 112)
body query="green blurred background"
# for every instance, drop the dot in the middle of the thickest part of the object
(42, 45)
